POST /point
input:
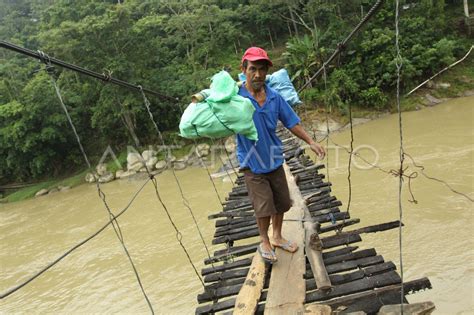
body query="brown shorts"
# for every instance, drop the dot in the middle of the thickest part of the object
(268, 192)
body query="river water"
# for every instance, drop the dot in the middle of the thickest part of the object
(97, 278)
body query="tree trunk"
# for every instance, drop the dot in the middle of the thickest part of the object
(466, 9)
(271, 39)
(128, 122)
(289, 28)
(293, 19)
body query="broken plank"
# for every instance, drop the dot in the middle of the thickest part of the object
(249, 294)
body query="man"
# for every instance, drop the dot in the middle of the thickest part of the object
(262, 160)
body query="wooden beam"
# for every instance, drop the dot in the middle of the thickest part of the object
(313, 248)
(249, 294)
(286, 292)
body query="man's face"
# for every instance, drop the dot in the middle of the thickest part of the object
(256, 73)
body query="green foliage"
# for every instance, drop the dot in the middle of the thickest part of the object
(174, 47)
(366, 70)
(373, 97)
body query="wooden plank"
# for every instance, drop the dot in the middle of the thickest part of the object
(249, 294)
(364, 284)
(314, 254)
(225, 254)
(286, 292)
(235, 237)
(375, 228)
(216, 291)
(371, 301)
(247, 227)
(338, 240)
(230, 227)
(228, 274)
(216, 307)
(338, 225)
(337, 279)
(237, 264)
(249, 248)
(350, 256)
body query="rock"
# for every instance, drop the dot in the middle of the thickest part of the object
(42, 192)
(431, 100)
(161, 165)
(179, 166)
(468, 93)
(119, 173)
(359, 121)
(151, 163)
(148, 154)
(90, 178)
(171, 158)
(135, 167)
(101, 169)
(64, 188)
(203, 149)
(106, 178)
(430, 85)
(443, 85)
(230, 145)
(193, 160)
(182, 160)
(126, 174)
(52, 191)
(333, 126)
(143, 169)
(133, 158)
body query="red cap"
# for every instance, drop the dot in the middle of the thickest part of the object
(256, 53)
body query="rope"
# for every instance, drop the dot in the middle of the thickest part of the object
(422, 170)
(393, 172)
(327, 124)
(67, 253)
(447, 68)
(398, 62)
(341, 46)
(231, 164)
(202, 161)
(101, 194)
(53, 61)
(179, 236)
(223, 163)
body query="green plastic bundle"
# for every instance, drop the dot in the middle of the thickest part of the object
(222, 114)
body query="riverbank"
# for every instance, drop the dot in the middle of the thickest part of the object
(457, 82)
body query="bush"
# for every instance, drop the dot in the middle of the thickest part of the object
(373, 97)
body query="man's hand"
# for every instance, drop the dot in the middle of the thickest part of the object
(298, 131)
(318, 149)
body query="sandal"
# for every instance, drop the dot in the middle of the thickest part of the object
(289, 246)
(267, 256)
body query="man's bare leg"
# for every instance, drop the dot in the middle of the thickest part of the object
(278, 239)
(277, 222)
(263, 225)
